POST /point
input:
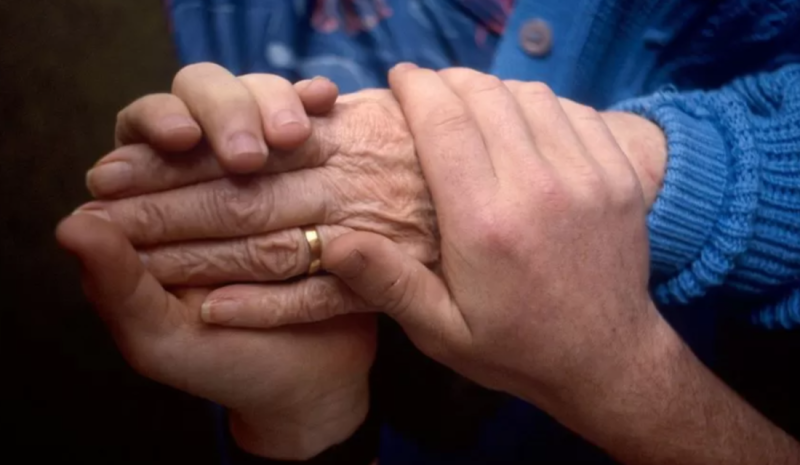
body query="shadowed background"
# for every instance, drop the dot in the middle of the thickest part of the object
(66, 68)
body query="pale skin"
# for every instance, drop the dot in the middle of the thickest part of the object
(444, 338)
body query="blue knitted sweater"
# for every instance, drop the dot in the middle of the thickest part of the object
(717, 76)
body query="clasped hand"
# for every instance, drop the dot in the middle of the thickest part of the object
(529, 276)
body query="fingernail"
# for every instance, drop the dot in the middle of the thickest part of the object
(177, 123)
(109, 178)
(405, 66)
(285, 118)
(320, 81)
(218, 311)
(243, 143)
(100, 213)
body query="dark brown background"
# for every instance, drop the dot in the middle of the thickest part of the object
(66, 67)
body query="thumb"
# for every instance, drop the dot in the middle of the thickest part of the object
(115, 280)
(378, 271)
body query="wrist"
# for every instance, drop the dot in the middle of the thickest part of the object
(632, 403)
(645, 145)
(301, 435)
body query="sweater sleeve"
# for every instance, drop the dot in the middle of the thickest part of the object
(728, 214)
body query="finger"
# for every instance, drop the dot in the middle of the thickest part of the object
(598, 140)
(318, 95)
(499, 118)
(140, 169)
(269, 257)
(270, 305)
(449, 145)
(284, 118)
(552, 132)
(125, 294)
(224, 208)
(227, 113)
(383, 276)
(160, 120)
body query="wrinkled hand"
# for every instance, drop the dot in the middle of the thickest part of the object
(292, 392)
(357, 171)
(543, 288)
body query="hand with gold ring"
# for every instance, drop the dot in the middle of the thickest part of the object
(194, 225)
(291, 392)
(314, 250)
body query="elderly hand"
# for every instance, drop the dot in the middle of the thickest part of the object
(361, 174)
(291, 392)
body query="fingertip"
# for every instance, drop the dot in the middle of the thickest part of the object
(403, 66)
(289, 128)
(349, 255)
(177, 133)
(244, 153)
(112, 268)
(399, 70)
(318, 95)
(86, 234)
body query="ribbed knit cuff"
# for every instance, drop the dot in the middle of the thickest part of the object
(689, 205)
(783, 315)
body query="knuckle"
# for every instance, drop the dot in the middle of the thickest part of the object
(552, 195)
(536, 91)
(251, 79)
(456, 77)
(398, 293)
(451, 118)
(243, 207)
(274, 256)
(465, 80)
(320, 301)
(261, 80)
(496, 231)
(190, 73)
(584, 113)
(149, 220)
(590, 190)
(513, 85)
(627, 192)
(483, 83)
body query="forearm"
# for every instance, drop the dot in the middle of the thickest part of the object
(667, 408)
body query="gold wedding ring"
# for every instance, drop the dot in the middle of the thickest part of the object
(314, 249)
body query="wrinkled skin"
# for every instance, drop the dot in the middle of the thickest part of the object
(364, 176)
(291, 392)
